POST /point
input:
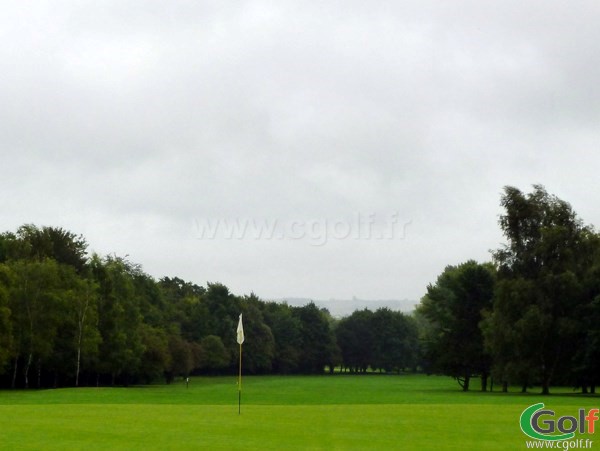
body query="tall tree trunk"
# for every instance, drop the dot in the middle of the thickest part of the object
(78, 363)
(484, 381)
(546, 386)
(466, 383)
(14, 377)
(26, 372)
(504, 387)
(81, 326)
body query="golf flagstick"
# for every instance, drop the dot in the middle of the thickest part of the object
(240, 340)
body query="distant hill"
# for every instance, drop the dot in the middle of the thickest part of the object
(345, 307)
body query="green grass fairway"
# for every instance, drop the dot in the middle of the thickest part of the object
(327, 412)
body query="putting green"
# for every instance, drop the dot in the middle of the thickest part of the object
(339, 412)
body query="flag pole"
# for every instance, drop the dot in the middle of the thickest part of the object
(240, 384)
(240, 340)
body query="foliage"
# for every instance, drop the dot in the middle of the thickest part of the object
(67, 318)
(316, 339)
(536, 320)
(454, 306)
(531, 316)
(382, 340)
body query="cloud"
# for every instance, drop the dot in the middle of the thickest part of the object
(130, 121)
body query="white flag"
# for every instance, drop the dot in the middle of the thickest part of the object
(240, 331)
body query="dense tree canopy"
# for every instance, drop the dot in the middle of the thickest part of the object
(545, 289)
(382, 340)
(531, 316)
(454, 305)
(67, 318)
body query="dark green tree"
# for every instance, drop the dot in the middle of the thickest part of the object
(182, 358)
(286, 329)
(12, 248)
(259, 347)
(317, 341)
(454, 306)
(38, 307)
(120, 319)
(185, 307)
(224, 309)
(355, 336)
(214, 355)
(395, 342)
(54, 243)
(533, 328)
(586, 358)
(5, 317)
(156, 359)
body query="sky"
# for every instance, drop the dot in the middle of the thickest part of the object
(325, 150)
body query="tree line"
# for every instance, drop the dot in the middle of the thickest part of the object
(67, 318)
(529, 317)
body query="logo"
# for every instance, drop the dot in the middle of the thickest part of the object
(542, 424)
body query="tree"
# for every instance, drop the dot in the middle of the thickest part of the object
(55, 243)
(317, 341)
(45, 264)
(259, 347)
(224, 309)
(285, 328)
(85, 308)
(356, 338)
(120, 318)
(182, 359)
(5, 317)
(454, 306)
(184, 307)
(534, 324)
(156, 359)
(586, 359)
(214, 356)
(12, 248)
(395, 341)
(38, 309)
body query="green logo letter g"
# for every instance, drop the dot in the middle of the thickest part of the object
(527, 420)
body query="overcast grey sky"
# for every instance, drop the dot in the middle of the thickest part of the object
(371, 139)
